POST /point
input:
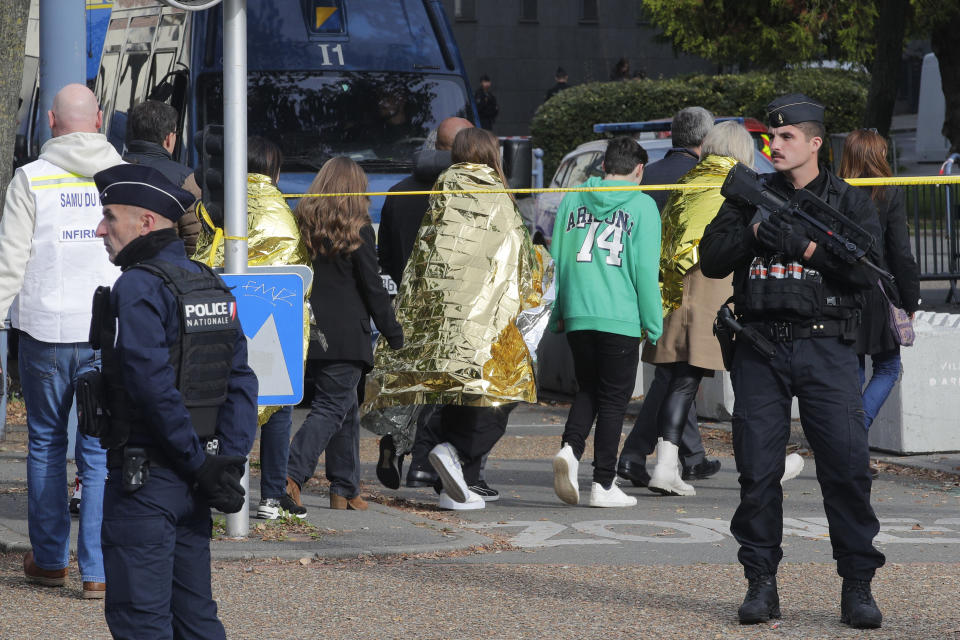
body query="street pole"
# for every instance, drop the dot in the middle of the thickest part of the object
(235, 180)
(63, 52)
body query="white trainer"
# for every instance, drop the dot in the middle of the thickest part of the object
(792, 466)
(612, 497)
(565, 467)
(444, 459)
(473, 501)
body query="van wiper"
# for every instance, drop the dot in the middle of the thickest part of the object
(385, 165)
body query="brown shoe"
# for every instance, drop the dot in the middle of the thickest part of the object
(355, 503)
(94, 590)
(293, 490)
(46, 577)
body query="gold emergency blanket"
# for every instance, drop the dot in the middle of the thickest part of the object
(273, 238)
(685, 216)
(472, 271)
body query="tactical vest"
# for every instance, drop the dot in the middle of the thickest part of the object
(201, 356)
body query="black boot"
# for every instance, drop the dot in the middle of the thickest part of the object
(762, 601)
(857, 606)
(389, 466)
(634, 471)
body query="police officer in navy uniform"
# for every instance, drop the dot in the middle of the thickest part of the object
(183, 412)
(812, 322)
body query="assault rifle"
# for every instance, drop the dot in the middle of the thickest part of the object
(826, 226)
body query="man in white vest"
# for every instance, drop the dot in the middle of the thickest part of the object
(51, 262)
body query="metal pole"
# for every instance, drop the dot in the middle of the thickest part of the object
(63, 52)
(235, 178)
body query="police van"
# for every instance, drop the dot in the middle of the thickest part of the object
(356, 78)
(27, 143)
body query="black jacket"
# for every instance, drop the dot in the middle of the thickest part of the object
(729, 245)
(153, 155)
(555, 89)
(675, 163)
(347, 291)
(487, 108)
(875, 335)
(401, 215)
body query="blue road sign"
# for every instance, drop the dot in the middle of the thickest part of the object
(270, 306)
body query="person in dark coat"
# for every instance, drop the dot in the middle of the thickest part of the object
(865, 156)
(401, 215)
(487, 108)
(688, 129)
(561, 83)
(156, 533)
(347, 291)
(151, 139)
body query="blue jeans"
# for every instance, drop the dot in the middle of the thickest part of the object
(48, 373)
(274, 449)
(886, 372)
(333, 426)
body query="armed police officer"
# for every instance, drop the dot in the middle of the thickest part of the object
(182, 406)
(805, 300)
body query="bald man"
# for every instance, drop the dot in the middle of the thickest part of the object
(51, 262)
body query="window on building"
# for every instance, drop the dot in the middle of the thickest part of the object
(528, 10)
(465, 10)
(643, 18)
(589, 11)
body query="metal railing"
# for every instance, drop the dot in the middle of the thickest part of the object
(934, 214)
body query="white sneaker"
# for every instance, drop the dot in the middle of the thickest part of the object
(445, 460)
(474, 501)
(268, 509)
(565, 466)
(612, 497)
(792, 466)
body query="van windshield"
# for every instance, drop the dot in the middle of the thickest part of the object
(377, 119)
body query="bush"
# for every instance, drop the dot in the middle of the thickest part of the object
(566, 120)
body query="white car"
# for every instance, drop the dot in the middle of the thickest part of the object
(585, 161)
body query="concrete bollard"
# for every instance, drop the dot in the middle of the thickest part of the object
(921, 413)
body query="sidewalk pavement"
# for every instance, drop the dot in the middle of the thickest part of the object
(382, 530)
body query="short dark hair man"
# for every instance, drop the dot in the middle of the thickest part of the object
(487, 107)
(688, 129)
(151, 139)
(606, 247)
(812, 320)
(183, 405)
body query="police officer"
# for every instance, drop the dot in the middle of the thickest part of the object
(179, 393)
(812, 321)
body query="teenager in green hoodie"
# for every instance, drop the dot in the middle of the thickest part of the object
(606, 245)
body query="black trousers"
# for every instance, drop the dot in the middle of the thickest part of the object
(643, 437)
(156, 556)
(822, 373)
(429, 428)
(473, 432)
(676, 405)
(606, 368)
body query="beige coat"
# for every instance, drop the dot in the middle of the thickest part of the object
(688, 330)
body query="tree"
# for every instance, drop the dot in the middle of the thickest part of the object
(13, 35)
(768, 34)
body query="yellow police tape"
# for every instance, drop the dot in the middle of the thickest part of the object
(858, 182)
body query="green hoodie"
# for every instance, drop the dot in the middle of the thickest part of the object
(606, 245)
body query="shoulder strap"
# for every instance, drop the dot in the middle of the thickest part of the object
(180, 280)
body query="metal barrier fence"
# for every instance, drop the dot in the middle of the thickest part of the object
(933, 212)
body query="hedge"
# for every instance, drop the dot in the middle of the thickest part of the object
(566, 120)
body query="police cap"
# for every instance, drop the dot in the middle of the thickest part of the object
(793, 108)
(141, 186)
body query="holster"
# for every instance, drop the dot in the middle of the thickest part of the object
(726, 339)
(92, 418)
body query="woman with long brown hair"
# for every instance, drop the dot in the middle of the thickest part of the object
(865, 156)
(347, 291)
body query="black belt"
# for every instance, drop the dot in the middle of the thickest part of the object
(789, 331)
(156, 457)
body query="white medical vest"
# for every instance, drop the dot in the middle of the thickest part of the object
(67, 260)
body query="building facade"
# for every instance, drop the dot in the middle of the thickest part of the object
(520, 44)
